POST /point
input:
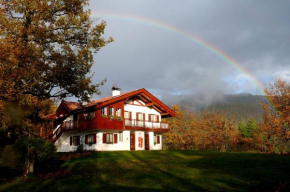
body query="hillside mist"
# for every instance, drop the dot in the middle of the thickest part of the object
(238, 106)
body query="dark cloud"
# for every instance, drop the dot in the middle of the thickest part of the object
(254, 33)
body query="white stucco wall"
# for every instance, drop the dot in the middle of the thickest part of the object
(63, 143)
(135, 109)
(151, 141)
(120, 146)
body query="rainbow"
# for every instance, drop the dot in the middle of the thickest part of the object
(193, 38)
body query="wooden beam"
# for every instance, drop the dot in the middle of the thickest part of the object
(149, 104)
(162, 114)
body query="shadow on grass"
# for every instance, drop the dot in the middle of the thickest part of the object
(160, 171)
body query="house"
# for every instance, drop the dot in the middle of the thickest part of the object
(124, 121)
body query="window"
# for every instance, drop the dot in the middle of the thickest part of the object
(104, 111)
(110, 138)
(107, 137)
(128, 115)
(74, 140)
(90, 115)
(153, 118)
(90, 139)
(121, 136)
(111, 113)
(156, 139)
(118, 112)
(139, 117)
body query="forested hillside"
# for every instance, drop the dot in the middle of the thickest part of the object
(239, 106)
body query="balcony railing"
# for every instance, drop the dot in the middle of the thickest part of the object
(66, 125)
(145, 124)
(69, 125)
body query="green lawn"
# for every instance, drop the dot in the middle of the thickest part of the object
(160, 171)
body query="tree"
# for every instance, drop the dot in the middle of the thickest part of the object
(46, 48)
(248, 129)
(275, 127)
(46, 51)
(243, 127)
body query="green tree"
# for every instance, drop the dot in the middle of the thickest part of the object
(247, 129)
(243, 128)
(251, 127)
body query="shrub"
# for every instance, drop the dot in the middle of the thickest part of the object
(42, 152)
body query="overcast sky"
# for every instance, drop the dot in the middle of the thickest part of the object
(254, 33)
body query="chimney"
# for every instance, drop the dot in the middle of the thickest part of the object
(115, 90)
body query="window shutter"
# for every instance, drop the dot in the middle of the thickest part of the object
(78, 141)
(115, 138)
(157, 118)
(149, 117)
(70, 140)
(104, 138)
(143, 116)
(137, 116)
(130, 115)
(95, 138)
(158, 139)
(86, 139)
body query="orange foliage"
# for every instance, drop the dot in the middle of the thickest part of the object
(275, 128)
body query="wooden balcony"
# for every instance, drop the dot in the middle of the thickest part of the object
(133, 124)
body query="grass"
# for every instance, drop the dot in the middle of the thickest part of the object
(160, 171)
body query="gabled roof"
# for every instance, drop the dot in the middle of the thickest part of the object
(142, 94)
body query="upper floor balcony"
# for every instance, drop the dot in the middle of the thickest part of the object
(129, 124)
(133, 124)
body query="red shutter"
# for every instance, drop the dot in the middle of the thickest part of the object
(137, 116)
(95, 138)
(130, 115)
(115, 138)
(86, 139)
(143, 116)
(70, 140)
(104, 138)
(78, 141)
(158, 139)
(149, 117)
(157, 119)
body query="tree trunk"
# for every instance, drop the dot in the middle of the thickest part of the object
(30, 165)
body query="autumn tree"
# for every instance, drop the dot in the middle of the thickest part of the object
(181, 135)
(208, 130)
(46, 51)
(275, 127)
(47, 48)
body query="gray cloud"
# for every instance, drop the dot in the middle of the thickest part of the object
(255, 33)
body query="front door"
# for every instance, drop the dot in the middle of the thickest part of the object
(132, 141)
(146, 141)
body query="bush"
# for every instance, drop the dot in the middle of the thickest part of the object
(43, 152)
